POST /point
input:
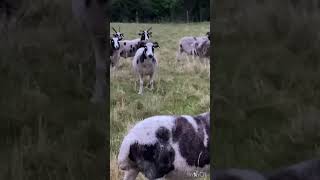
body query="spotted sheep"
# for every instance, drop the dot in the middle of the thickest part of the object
(114, 49)
(91, 14)
(128, 48)
(145, 62)
(187, 45)
(305, 170)
(167, 146)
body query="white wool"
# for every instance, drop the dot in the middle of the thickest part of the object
(144, 132)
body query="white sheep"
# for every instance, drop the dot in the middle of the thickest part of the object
(144, 62)
(202, 48)
(187, 45)
(168, 147)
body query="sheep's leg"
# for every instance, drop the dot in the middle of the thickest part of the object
(151, 81)
(131, 174)
(141, 84)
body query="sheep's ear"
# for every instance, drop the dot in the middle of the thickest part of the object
(150, 33)
(140, 34)
(156, 45)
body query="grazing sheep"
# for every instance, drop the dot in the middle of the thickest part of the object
(130, 47)
(202, 48)
(170, 147)
(144, 62)
(187, 45)
(118, 34)
(92, 15)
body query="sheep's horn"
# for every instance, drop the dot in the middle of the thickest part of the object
(114, 30)
(119, 28)
(149, 29)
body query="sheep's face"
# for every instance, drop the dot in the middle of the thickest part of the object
(149, 49)
(153, 160)
(145, 35)
(114, 42)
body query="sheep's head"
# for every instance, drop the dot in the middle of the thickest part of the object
(114, 42)
(145, 34)
(149, 48)
(118, 34)
(154, 160)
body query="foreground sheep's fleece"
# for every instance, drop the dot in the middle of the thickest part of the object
(170, 147)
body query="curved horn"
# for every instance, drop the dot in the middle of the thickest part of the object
(114, 30)
(149, 29)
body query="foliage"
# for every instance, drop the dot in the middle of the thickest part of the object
(159, 10)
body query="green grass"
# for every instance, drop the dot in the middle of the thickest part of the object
(266, 99)
(180, 87)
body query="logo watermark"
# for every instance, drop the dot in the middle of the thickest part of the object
(197, 174)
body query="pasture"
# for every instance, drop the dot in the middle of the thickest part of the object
(180, 87)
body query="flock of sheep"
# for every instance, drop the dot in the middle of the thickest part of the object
(144, 62)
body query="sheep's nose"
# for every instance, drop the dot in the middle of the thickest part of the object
(150, 56)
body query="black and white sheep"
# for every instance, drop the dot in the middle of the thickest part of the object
(167, 146)
(114, 50)
(145, 62)
(306, 170)
(187, 45)
(128, 48)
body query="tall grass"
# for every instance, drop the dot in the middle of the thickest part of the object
(180, 87)
(49, 129)
(266, 89)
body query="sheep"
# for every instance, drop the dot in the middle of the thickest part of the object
(92, 15)
(130, 47)
(144, 62)
(202, 48)
(187, 45)
(118, 34)
(166, 146)
(114, 50)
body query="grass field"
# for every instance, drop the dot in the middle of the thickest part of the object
(180, 87)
